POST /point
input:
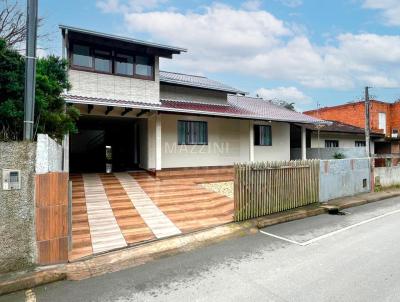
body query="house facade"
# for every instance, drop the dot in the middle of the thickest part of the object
(324, 140)
(385, 119)
(134, 116)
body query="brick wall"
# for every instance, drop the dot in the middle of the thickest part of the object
(354, 114)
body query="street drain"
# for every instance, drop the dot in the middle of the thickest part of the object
(335, 211)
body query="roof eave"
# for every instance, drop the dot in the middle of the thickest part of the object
(173, 49)
(199, 112)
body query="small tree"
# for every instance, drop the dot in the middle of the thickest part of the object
(52, 116)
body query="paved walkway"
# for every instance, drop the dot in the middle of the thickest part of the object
(157, 221)
(115, 210)
(104, 230)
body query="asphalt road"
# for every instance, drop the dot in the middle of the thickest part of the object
(355, 257)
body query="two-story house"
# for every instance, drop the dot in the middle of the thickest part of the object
(134, 116)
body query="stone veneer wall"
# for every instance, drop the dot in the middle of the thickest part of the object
(97, 85)
(17, 208)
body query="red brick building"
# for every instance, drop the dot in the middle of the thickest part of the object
(385, 118)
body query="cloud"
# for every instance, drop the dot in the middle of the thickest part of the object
(289, 94)
(291, 3)
(221, 38)
(390, 10)
(252, 5)
(115, 6)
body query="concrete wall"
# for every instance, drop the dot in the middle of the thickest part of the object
(280, 149)
(17, 208)
(115, 87)
(344, 177)
(328, 153)
(188, 94)
(387, 176)
(49, 155)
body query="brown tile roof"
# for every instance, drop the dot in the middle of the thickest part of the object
(236, 106)
(335, 126)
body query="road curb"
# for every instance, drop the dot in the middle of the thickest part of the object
(13, 282)
(137, 255)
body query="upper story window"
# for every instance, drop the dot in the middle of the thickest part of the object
(144, 66)
(108, 61)
(382, 121)
(262, 135)
(81, 56)
(102, 61)
(124, 64)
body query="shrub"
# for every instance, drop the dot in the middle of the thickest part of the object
(52, 116)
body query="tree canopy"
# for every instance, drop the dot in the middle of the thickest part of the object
(52, 116)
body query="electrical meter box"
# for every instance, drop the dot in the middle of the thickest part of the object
(11, 179)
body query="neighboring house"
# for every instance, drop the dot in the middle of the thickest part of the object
(335, 137)
(135, 116)
(385, 119)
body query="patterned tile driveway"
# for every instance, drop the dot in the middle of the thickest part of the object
(115, 210)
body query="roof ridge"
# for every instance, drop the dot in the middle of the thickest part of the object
(187, 74)
(249, 97)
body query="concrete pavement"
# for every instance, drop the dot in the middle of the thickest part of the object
(359, 264)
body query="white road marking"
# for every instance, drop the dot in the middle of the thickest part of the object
(281, 238)
(331, 233)
(30, 296)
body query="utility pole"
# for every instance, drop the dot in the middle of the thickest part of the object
(367, 122)
(30, 68)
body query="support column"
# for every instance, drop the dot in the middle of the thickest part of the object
(65, 147)
(303, 143)
(158, 142)
(251, 140)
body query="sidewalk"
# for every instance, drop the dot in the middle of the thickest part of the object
(134, 256)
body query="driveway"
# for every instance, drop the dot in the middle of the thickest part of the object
(355, 259)
(112, 211)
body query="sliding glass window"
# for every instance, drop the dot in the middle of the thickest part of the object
(102, 61)
(124, 64)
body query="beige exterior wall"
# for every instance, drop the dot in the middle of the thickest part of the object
(151, 142)
(280, 149)
(345, 140)
(93, 84)
(228, 143)
(188, 94)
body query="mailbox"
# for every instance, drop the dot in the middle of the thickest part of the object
(11, 179)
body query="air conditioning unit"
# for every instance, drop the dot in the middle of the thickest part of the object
(395, 133)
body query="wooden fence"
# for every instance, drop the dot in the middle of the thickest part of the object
(270, 187)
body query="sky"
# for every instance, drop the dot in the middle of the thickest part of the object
(310, 52)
